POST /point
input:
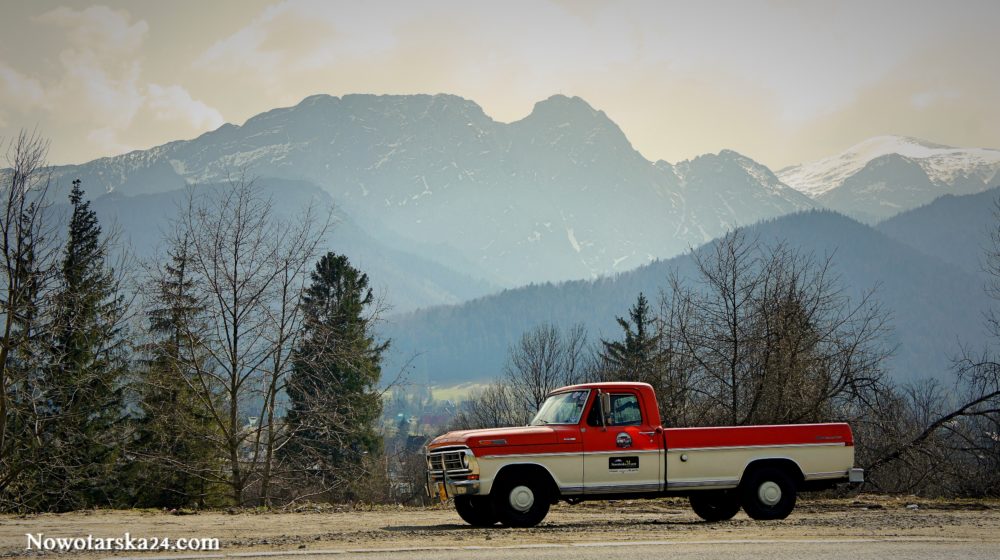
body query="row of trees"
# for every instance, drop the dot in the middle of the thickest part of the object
(62, 348)
(232, 372)
(765, 334)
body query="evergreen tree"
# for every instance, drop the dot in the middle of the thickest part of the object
(84, 380)
(635, 357)
(174, 426)
(333, 389)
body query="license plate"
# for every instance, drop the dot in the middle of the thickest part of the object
(442, 493)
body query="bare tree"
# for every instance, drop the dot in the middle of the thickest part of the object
(675, 373)
(295, 254)
(951, 443)
(248, 266)
(28, 255)
(768, 335)
(544, 359)
(493, 407)
(718, 334)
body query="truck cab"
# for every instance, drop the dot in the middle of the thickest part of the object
(605, 440)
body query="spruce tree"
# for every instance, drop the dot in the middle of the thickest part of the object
(174, 429)
(635, 357)
(84, 380)
(333, 390)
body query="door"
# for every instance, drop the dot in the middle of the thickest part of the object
(625, 454)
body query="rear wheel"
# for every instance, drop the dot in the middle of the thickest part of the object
(520, 503)
(476, 510)
(768, 493)
(715, 506)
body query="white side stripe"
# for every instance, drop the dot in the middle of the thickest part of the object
(764, 446)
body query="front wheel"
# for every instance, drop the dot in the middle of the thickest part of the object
(767, 494)
(476, 510)
(520, 503)
(715, 506)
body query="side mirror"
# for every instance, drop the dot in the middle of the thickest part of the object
(605, 408)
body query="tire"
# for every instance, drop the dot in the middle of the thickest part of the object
(476, 510)
(519, 502)
(715, 506)
(768, 493)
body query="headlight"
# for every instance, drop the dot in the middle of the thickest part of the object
(465, 460)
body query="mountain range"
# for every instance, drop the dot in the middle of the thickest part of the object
(558, 195)
(441, 204)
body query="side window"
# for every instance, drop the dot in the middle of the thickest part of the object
(624, 411)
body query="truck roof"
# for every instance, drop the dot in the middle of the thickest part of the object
(605, 385)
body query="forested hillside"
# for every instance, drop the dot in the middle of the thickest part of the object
(952, 228)
(930, 301)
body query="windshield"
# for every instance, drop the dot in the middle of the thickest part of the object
(564, 408)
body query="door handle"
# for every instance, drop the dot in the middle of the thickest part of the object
(650, 434)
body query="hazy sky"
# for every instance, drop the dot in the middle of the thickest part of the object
(780, 81)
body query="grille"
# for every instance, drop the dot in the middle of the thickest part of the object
(449, 462)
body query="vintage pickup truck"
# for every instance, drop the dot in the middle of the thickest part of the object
(604, 441)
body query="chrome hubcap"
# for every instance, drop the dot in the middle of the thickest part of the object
(522, 498)
(769, 493)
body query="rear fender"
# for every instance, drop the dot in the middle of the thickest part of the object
(787, 464)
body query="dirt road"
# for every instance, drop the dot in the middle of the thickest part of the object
(903, 524)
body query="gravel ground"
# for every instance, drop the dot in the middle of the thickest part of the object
(328, 528)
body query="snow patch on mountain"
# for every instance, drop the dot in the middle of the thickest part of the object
(943, 164)
(571, 236)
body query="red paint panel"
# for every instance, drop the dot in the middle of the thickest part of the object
(564, 439)
(736, 436)
(526, 435)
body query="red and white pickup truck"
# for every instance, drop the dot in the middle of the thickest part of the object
(604, 441)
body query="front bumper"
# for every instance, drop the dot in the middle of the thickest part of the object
(447, 490)
(452, 472)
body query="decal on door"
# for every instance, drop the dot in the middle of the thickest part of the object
(623, 464)
(623, 440)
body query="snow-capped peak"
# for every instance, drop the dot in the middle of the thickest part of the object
(943, 164)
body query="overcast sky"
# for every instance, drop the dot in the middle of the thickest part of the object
(783, 81)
